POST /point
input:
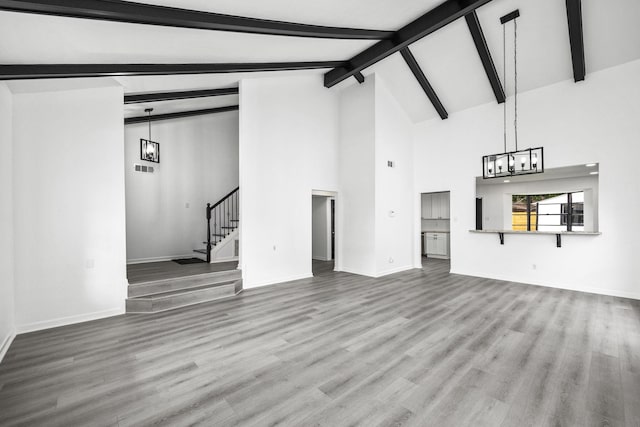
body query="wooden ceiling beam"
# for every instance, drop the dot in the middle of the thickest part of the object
(55, 71)
(178, 115)
(148, 14)
(428, 23)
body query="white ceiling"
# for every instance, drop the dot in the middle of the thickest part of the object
(370, 14)
(448, 57)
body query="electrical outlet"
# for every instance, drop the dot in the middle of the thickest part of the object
(534, 266)
(390, 260)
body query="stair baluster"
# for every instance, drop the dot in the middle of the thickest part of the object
(224, 214)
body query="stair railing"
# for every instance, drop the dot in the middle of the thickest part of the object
(224, 214)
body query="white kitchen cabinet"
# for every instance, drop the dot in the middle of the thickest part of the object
(426, 205)
(436, 245)
(444, 206)
(435, 206)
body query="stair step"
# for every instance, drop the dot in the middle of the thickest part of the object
(219, 235)
(229, 228)
(201, 251)
(183, 297)
(182, 283)
(234, 220)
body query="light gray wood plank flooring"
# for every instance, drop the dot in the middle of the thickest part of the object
(145, 272)
(419, 348)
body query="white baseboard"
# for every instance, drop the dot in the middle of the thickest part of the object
(356, 271)
(246, 285)
(158, 259)
(380, 273)
(394, 270)
(229, 259)
(439, 256)
(6, 343)
(589, 290)
(70, 320)
(320, 258)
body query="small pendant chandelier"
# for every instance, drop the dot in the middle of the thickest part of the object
(518, 162)
(149, 150)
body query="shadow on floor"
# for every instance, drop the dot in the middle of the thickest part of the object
(320, 268)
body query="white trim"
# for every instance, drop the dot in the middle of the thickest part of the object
(229, 259)
(319, 258)
(395, 270)
(438, 256)
(588, 290)
(70, 320)
(159, 259)
(6, 343)
(381, 273)
(277, 281)
(358, 272)
(324, 193)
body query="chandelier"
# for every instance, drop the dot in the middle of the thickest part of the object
(518, 162)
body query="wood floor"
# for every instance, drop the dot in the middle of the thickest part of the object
(420, 348)
(138, 273)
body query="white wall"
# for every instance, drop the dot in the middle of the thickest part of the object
(497, 202)
(393, 186)
(7, 319)
(378, 212)
(357, 249)
(592, 121)
(69, 212)
(198, 165)
(288, 147)
(321, 228)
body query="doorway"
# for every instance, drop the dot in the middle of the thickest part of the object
(435, 228)
(323, 232)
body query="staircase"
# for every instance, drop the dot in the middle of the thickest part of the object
(166, 294)
(222, 222)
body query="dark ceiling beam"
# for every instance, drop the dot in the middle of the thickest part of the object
(169, 116)
(422, 79)
(137, 13)
(136, 98)
(55, 71)
(574, 17)
(485, 56)
(359, 77)
(428, 23)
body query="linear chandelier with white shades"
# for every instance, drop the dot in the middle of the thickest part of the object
(518, 162)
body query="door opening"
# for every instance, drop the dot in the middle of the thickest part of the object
(323, 232)
(435, 229)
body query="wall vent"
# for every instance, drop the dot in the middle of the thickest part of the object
(142, 168)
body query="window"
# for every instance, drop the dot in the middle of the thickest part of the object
(548, 212)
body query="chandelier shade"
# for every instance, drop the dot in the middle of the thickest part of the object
(523, 162)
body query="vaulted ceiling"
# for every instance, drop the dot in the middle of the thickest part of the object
(448, 56)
